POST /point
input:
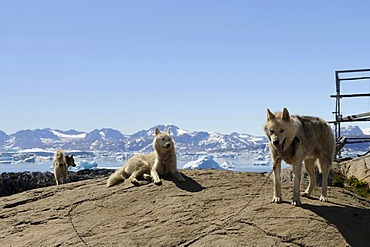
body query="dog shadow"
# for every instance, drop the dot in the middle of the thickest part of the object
(189, 185)
(353, 223)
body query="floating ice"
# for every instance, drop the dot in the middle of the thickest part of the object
(204, 162)
(84, 164)
(228, 165)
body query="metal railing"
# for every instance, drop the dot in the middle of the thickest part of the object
(339, 118)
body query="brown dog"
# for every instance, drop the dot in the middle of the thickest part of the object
(61, 164)
(295, 139)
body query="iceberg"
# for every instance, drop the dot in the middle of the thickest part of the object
(228, 165)
(204, 162)
(24, 157)
(262, 163)
(84, 164)
(6, 160)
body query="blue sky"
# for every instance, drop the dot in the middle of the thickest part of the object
(201, 65)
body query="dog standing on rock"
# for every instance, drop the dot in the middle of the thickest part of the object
(158, 163)
(61, 163)
(295, 139)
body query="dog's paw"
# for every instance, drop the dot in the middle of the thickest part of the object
(305, 194)
(158, 182)
(135, 182)
(148, 177)
(323, 198)
(276, 199)
(296, 203)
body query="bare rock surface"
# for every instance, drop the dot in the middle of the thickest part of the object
(212, 208)
(359, 167)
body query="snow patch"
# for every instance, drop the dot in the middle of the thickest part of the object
(366, 131)
(181, 132)
(102, 134)
(66, 137)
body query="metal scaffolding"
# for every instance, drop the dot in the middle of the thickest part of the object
(343, 140)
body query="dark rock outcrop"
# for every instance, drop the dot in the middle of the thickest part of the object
(12, 183)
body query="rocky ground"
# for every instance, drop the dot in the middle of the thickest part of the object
(212, 208)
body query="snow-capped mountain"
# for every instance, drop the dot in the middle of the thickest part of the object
(24, 139)
(111, 140)
(351, 131)
(355, 132)
(3, 138)
(114, 141)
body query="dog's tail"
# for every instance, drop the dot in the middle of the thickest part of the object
(59, 155)
(116, 177)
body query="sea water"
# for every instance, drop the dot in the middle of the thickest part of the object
(44, 166)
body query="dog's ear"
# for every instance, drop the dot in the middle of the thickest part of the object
(157, 131)
(270, 115)
(168, 131)
(71, 155)
(286, 115)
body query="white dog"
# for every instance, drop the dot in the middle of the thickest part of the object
(160, 162)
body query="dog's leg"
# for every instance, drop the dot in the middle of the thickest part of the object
(154, 173)
(57, 174)
(133, 178)
(176, 174)
(65, 173)
(277, 181)
(64, 178)
(56, 177)
(309, 165)
(155, 177)
(325, 169)
(297, 171)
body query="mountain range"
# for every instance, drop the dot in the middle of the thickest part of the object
(112, 140)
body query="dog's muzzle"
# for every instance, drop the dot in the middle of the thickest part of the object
(167, 145)
(279, 146)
